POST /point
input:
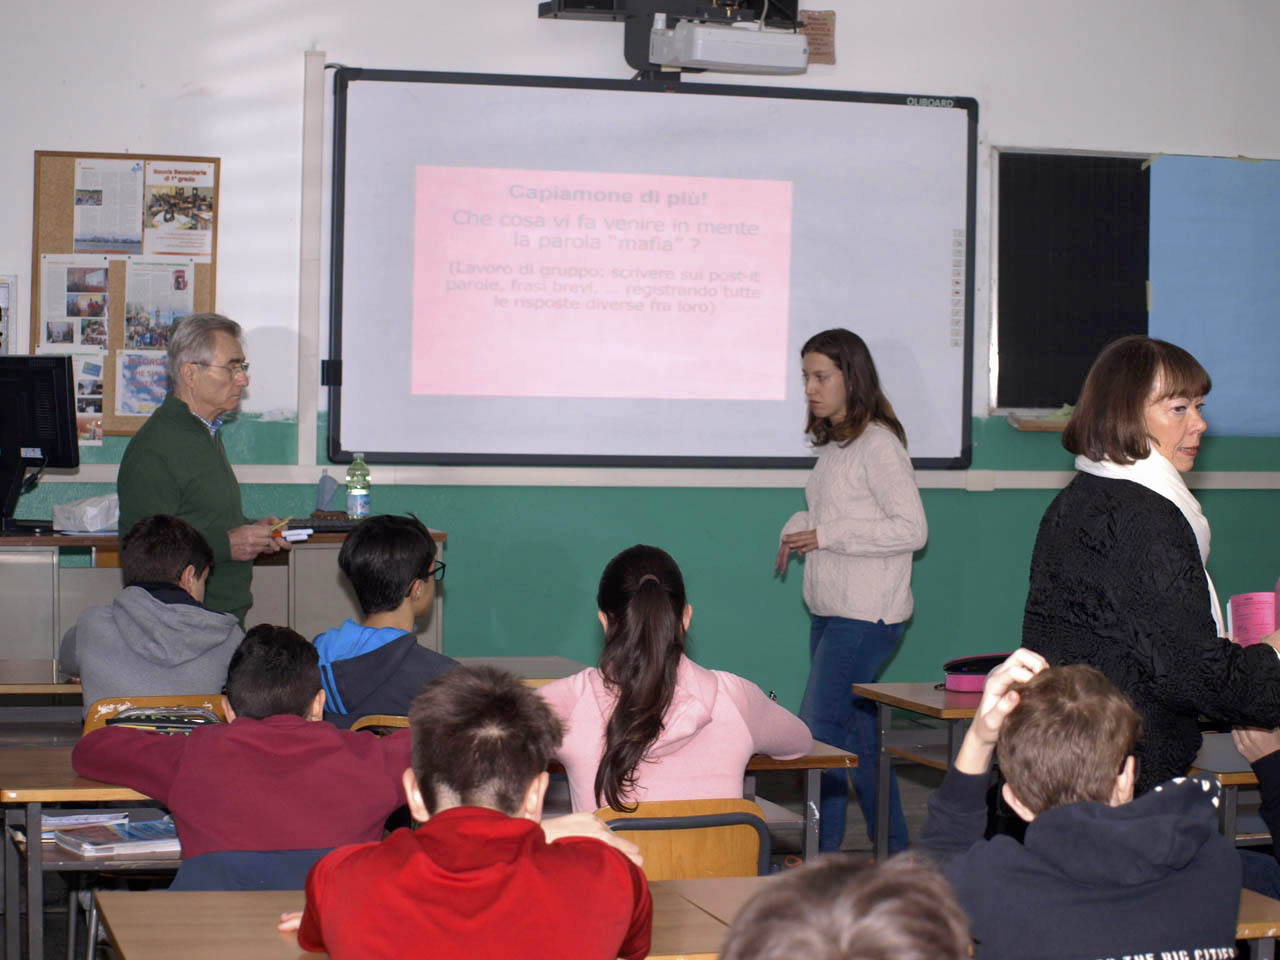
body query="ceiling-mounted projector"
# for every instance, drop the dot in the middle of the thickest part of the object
(729, 35)
(741, 47)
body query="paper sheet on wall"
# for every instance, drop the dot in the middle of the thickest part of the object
(88, 370)
(141, 382)
(108, 205)
(820, 30)
(73, 301)
(179, 213)
(8, 304)
(157, 291)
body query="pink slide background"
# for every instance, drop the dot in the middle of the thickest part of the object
(496, 313)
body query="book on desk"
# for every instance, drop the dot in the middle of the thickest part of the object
(120, 839)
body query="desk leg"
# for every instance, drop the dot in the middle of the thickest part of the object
(12, 900)
(1227, 814)
(884, 715)
(1264, 949)
(812, 812)
(35, 885)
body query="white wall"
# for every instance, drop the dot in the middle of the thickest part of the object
(225, 79)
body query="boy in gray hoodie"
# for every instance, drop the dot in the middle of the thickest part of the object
(156, 637)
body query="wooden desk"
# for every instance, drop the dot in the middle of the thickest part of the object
(34, 676)
(159, 925)
(928, 700)
(1259, 919)
(821, 756)
(534, 671)
(29, 778)
(43, 677)
(690, 919)
(1219, 756)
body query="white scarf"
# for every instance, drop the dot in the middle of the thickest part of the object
(1160, 476)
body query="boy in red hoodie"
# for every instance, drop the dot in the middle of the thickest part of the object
(478, 878)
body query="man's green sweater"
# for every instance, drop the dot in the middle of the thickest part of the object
(174, 466)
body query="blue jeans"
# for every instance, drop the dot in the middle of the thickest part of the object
(843, 652)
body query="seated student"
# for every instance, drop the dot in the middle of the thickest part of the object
(478, 879)
(840, 909)
(157, 636)
(1099, 874)
(273, 778)
(650, 724)
(377, 665)
(1262, 749)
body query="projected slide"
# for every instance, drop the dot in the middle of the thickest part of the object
(544, 283)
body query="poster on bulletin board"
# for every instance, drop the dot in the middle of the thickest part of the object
(124, 245)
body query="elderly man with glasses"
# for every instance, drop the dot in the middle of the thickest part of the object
(176, 464)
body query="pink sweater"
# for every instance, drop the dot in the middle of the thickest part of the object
(716, 721)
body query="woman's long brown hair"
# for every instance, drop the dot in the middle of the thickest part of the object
(642, 597)
(865, 402)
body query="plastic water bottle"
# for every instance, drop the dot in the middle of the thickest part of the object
(358, 488)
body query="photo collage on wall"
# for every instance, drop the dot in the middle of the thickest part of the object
(153, 220)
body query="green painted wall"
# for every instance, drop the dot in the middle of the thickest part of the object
(524, 561)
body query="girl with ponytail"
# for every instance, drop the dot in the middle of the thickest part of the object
(649, 723)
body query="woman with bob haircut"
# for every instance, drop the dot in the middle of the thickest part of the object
(1118, 577)
(649, 723)
(864, 522)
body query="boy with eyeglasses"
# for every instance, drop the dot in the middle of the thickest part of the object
(377, 666)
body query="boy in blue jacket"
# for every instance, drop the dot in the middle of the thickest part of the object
(377, 665)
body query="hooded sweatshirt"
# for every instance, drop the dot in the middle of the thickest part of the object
(368, 670)
(1148, 878)
(153, 639)
(714, 724)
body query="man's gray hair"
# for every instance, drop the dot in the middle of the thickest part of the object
(192, 341)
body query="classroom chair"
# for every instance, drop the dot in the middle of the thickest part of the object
(101, 710)
(696, 838)
(379, 722)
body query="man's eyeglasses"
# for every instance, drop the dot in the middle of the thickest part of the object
(437, 572)
(235, 369)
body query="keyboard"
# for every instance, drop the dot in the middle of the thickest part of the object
(323, 524)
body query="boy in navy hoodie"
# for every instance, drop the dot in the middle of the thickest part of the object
(1099, 874)
(377, 665)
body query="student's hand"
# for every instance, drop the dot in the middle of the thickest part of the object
(997, 698)
(289, 921)
(1272, 640)
(1254, 743)
(586, 825)
(997, 701)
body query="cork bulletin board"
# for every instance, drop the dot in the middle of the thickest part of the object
(100, 218)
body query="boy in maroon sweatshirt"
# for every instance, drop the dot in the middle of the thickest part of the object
(273, 778)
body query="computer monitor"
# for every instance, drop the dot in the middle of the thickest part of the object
(37, 426)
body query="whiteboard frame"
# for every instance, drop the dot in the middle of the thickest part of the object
(331, 369)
